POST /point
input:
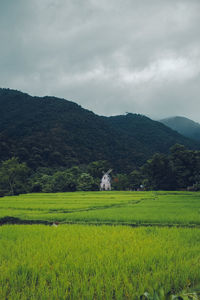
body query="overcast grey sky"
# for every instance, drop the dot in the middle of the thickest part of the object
(110, 56)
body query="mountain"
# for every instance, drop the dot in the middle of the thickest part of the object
(53, 132)
(184, 126)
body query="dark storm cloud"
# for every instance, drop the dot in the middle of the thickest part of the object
(110, 56)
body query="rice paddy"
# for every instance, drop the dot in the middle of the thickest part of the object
(158, 208)
(82, 261)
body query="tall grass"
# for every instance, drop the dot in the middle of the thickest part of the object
(89, 262)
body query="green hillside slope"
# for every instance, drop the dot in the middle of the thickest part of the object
(54, 132)
(184, 126)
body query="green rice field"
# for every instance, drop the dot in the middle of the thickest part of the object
(157, 208)
(80, 260)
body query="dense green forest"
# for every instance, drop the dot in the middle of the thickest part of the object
(176, 171)
(56, 133)
(184, 126)
(54, 145)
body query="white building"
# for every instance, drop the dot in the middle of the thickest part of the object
(106, 182)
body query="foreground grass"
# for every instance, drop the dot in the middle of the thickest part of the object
(164, 208)
(95, 262)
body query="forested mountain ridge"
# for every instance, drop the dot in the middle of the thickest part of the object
(184, 126)
(53, 132)
(153, 135)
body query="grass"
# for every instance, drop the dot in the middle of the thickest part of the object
(99, 262)
(160, 208)
(95, 262)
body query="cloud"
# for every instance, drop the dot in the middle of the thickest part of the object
(109, 56)
(162, 70)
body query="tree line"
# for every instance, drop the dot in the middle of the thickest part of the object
(176, 171)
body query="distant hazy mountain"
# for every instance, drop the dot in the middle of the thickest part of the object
(184, 126)
(52, 132)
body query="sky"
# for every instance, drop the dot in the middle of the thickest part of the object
(109, 56)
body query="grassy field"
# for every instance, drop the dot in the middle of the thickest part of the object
(159, 208)
(95, 262)
(83, 261)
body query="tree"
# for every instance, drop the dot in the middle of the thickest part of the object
(185, 164)
(96, 168)
(158, 173)
(46, 182)
(120, 182)
(64, 181)
(13, 176)
(85, 182)
(135, 179)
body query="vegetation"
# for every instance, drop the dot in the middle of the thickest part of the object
(176, 171)
(133, 208)
(95, 262)
(52, 133)
(184, 126)
(99, 262)
(52, 146)
(187, 294)
(13, 177)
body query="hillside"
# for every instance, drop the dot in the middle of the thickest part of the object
(53, 132)
(184, 126)
(153, 135)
